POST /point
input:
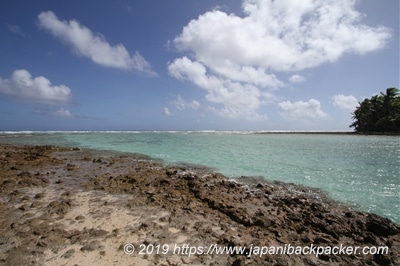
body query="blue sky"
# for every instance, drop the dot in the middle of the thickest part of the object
(193, 65)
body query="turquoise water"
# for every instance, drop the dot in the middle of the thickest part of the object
(362, 171)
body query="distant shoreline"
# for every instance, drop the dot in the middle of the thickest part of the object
(330, 133)
(11, 132)
(308, 132)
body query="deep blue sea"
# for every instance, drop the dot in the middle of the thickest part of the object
(361, 171)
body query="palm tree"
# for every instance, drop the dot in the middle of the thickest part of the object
(391, 102)
(381, 113)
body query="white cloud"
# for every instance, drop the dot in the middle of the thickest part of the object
(238, 100)
(167, 112)
(301, 110)
(39, 89)
(280, 35)
(235, 58)
(182, 104)
(53, 111)
(17, 30)
(297, 79)
(62, 112)
(93, 46)
(343, 102)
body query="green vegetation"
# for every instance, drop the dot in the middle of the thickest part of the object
(380, 113)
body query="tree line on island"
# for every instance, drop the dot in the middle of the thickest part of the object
(379, 114)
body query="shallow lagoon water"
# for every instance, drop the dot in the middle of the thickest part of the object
(361, 171)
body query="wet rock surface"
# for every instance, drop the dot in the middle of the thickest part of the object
(62, 206)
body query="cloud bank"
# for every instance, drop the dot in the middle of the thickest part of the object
(237, 60)
(93, 46)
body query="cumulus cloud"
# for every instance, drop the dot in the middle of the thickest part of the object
(235, 57)
(166, 112)
(182, 104)
(23, 86)
(280, 35)
(301, 110)
(93, 46)
(343, 102)
(297, 79)
(62, 112)
(238, 100)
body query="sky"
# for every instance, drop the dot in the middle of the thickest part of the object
(193, 65)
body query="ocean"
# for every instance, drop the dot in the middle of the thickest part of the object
(359, 171)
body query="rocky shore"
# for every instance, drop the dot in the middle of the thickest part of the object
(62, 206)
